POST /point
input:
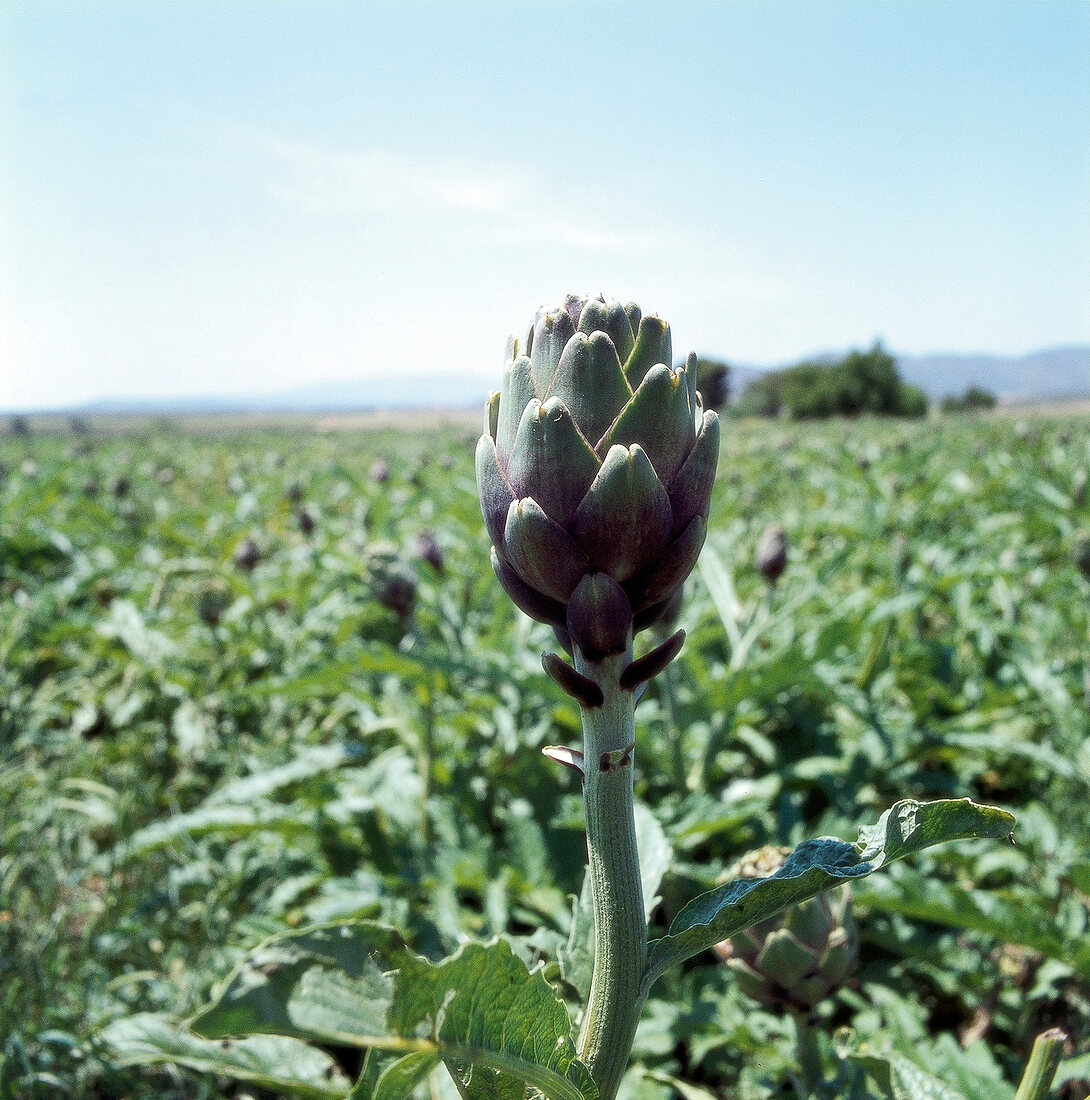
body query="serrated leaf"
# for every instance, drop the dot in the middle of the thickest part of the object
(497, 1026)
(328, 983)
(818, 865)
(274, 1062)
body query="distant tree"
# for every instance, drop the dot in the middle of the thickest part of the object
(861, 382)
(867, 382)
(19, 426)
(974, 399)
(79, 425)
(911, 401)
(809, 391)
(713, 382)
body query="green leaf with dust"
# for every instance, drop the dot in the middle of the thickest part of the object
(329, 983)
(818, 865)
(898, 1077)
(283, 1065)
(497, 1026)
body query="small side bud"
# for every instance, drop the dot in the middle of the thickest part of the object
(570, 758)
(651, 664)
(581, 688)
(617, 758)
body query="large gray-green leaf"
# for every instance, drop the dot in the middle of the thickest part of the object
(310, 761)
(655, 854)
(227, 818)
(576, 957)
(389, 782)
(818, 865)
(274, 1062)
(497, 1026)
(328, 983)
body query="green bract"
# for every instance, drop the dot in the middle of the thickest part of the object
(595, 472)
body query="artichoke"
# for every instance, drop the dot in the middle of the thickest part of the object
(771, 555)
(391, 580)
(247, 554)
(1081, 554)
(800, 956)
(212, 603)
(595, 472)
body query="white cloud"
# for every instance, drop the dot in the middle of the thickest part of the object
(489, 203)
(320, 180)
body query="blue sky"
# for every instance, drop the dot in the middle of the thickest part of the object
(248, 196)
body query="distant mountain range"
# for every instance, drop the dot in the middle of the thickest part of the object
(439, 391)
(1055, 373)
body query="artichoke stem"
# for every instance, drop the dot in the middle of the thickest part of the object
(1044, 1060)
(808, 1052)
(620, 925)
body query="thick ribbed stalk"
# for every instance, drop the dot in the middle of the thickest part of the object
(620, 925)
(1044, 1060)
(808, 1053)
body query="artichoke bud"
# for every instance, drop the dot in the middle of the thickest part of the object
(390, 579)
(1078, 486)
(1081, 554)
(247, 554)
(427, 548)
(802, 955)
(212, 602)
(595, 472)
(771, 556)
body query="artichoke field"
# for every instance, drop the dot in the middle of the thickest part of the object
(225, 776)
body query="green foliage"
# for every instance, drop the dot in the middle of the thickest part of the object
(974, 399)
(184, 790)
(863, 382)
(713, 381)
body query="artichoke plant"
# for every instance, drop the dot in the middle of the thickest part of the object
(595, 472)
(799, 957)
